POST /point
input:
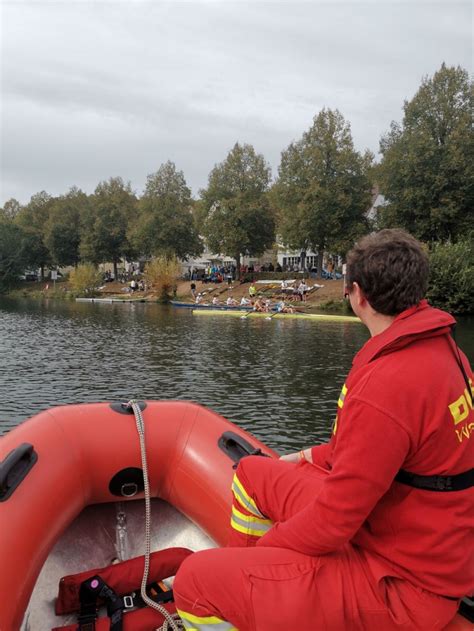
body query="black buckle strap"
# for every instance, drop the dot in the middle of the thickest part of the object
(92, 590)
(95, 589)
(458, 482)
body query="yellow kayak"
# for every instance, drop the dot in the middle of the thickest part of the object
(276, 316)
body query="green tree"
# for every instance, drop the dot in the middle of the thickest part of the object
(10, 209)
(239, 219)
(13, 260)
(165, 225)
(62, 234)
(85, 279)
(32, 219)
(161, 274)
(323, 188)
(106, 222)
(451, 284)
(426, 172)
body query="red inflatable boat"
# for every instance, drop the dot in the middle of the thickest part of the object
(70, 478)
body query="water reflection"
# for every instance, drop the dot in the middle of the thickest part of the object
(280, 379)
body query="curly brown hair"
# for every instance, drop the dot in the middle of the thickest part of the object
(391, 267)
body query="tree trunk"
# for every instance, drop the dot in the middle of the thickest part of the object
(320, 263)
(115, 271)
(237, 264)
(303, 260)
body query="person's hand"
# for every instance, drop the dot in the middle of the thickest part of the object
(298, 456)
(295, 457)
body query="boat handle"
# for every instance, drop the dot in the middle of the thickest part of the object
(14, 469)
(237, 447)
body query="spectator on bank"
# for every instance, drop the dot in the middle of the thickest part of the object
(303, 290)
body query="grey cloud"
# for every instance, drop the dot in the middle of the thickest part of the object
(91, 90)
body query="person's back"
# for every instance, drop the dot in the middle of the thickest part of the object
(407, 387)
(372, 530)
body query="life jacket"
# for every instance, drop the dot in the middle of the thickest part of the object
(116, 586)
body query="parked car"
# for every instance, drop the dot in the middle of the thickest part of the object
(30, 276)
(325, 274)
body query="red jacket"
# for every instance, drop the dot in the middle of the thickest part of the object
(405, 405)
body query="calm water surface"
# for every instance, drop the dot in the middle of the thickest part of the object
(279, 379)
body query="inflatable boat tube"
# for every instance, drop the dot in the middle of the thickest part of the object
(70, 457)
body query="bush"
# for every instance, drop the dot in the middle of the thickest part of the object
(85, 279)
(161, 274)
(451, 284)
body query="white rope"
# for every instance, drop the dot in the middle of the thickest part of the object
(171, 622)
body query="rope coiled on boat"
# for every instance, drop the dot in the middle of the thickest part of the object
(171, 622)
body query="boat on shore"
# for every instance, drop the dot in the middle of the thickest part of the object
(208, 307)
(108, 300)
(72, 483)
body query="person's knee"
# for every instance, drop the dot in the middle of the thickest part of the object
(250, 466)
(187, 577)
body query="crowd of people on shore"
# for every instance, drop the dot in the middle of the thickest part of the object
(287, 289)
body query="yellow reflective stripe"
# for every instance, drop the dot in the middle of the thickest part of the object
(205, 622)
(250, 522)
(252, 518)
(246, 530)
(342, 396)
(243, 497)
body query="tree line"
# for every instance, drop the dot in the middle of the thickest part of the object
(318, 201)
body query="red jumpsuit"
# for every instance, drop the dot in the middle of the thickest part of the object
(340, 544)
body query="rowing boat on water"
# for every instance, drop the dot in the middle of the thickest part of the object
(280, 316)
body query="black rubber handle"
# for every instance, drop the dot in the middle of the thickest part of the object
(237, 447)
(15, 468)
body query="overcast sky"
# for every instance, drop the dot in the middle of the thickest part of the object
(91, 90)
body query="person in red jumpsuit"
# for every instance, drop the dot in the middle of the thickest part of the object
(372, 531)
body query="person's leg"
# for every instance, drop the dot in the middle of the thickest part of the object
(276, 589)
(218, 587)
(267, 490)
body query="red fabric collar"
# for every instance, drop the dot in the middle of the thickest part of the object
(415, 323)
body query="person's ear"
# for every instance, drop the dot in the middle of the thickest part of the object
(358, 294)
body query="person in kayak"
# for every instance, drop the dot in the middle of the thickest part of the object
(373, 530)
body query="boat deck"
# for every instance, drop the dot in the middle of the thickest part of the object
(96, 539)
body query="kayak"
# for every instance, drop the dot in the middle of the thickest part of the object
(279, 316)
(72, 487)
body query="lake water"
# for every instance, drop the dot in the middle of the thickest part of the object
(279, 379)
